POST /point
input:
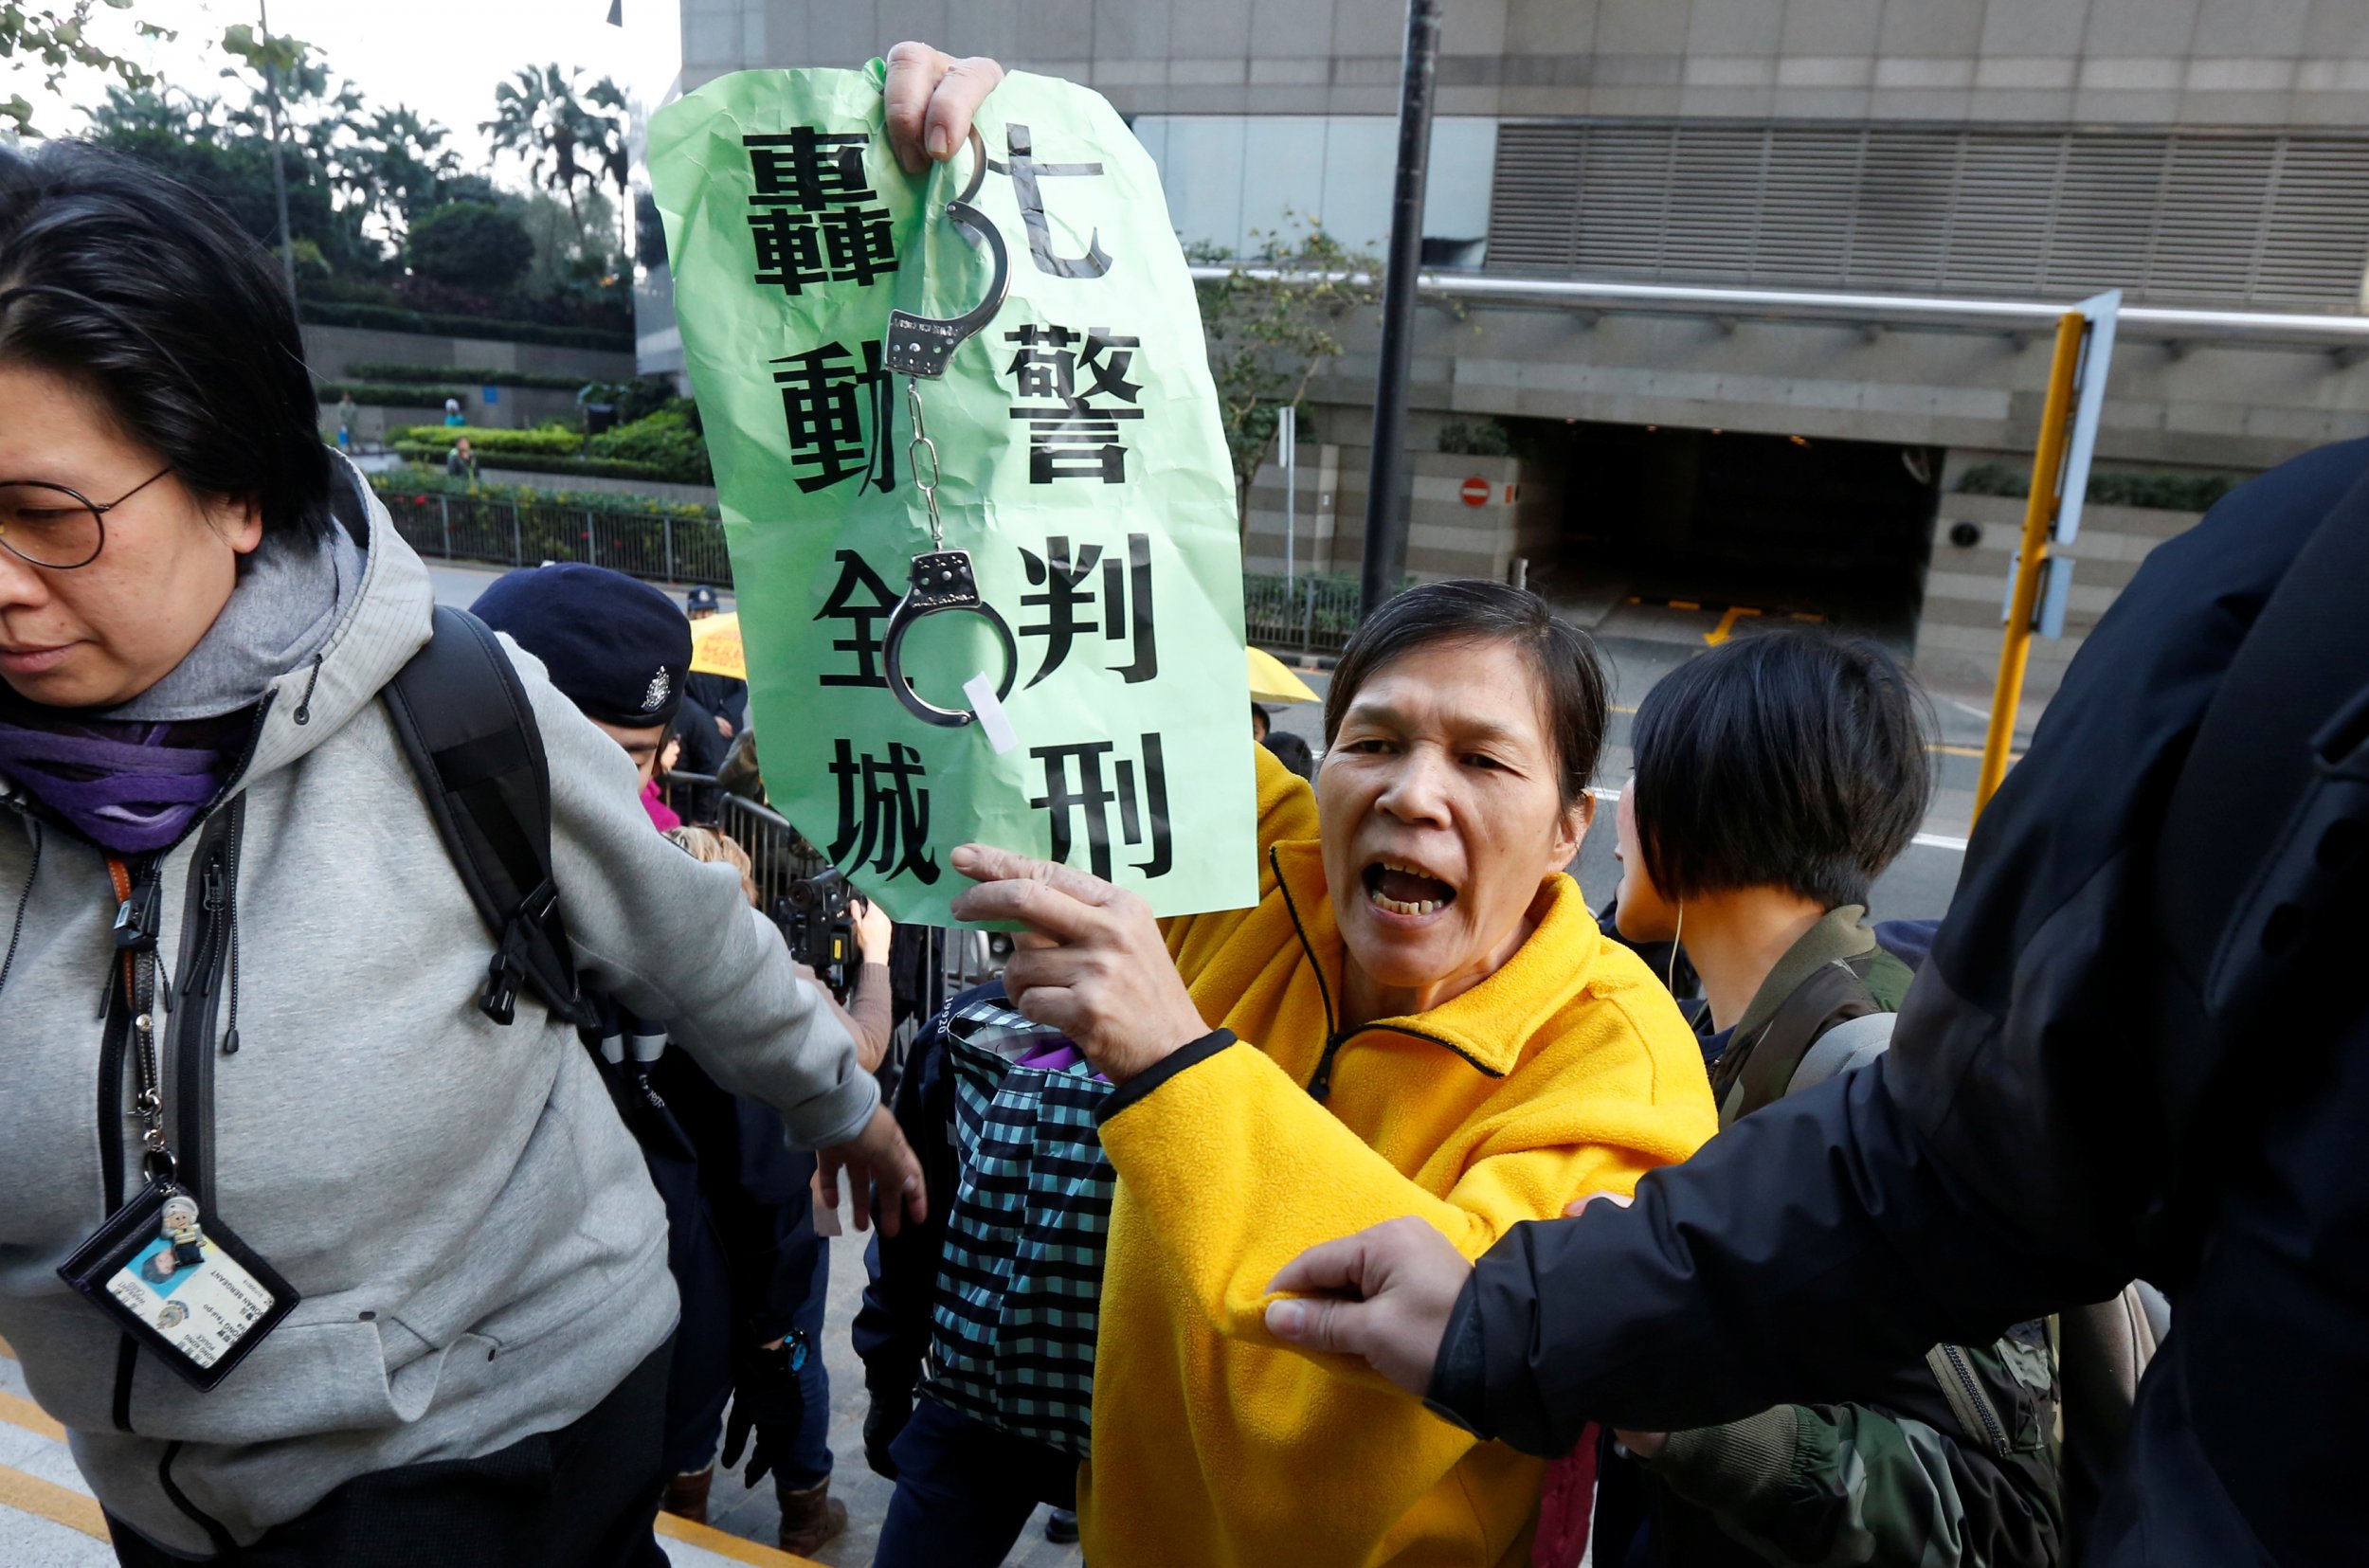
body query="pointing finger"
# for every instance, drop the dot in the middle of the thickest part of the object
(986, 863)
(1036, 905)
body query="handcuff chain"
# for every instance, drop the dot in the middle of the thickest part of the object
(914, 447)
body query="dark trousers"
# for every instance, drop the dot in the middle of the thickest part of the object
(965, 1490)
(582, 1497)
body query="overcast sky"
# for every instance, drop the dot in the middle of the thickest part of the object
(441, 57)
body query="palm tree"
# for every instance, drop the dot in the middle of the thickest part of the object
(616, 153)
(538, 117)
(399, 161)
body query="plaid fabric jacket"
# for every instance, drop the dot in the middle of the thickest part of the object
(1016, 1309)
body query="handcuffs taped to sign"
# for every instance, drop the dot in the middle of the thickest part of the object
(942, 580)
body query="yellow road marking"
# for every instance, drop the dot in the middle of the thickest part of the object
(24, 1413)
(32, 1495)
(709, 1538)
(1727, 624)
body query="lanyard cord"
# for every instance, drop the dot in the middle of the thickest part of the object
(139, 995)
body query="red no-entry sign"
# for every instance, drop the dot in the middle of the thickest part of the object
(1474, 491)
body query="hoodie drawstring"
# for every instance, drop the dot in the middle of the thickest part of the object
(16, 931)
(304, 706)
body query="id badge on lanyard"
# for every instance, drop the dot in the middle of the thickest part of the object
(172, 1276)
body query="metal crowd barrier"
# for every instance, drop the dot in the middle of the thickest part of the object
(781, 860)
(517, 533)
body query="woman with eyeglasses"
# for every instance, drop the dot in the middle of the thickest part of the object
(422, 1312)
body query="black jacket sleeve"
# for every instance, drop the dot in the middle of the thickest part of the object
(2010, 1156)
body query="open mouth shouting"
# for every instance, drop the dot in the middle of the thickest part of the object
(1402, 888)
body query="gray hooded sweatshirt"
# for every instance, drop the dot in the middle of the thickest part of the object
(479, 1252)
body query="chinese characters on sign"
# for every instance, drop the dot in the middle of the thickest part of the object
(1078, 469)
(883, 812)
(1073, 789)
(1026, 171)
(1127, 605)
(812, 223)
(825, 398)
(864, 602)
(1069, 435)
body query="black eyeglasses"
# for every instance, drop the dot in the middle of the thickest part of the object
(49, 524)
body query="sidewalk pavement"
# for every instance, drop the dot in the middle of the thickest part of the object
(48, 1519)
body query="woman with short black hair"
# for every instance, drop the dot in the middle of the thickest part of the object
(1775, 777)
(421, 1312)
(1418, 1020)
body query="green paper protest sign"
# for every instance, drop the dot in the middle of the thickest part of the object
(1081, 469)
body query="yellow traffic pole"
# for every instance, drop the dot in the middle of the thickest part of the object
(2039, 517)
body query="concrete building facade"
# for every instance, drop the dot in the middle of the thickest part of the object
(2205, 153)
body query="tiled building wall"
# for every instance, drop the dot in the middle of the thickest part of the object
(2293, 63)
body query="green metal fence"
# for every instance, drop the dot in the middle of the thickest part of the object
(514, 533)
(1314, 614)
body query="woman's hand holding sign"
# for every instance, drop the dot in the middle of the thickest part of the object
(929, 99)
(1092, 965)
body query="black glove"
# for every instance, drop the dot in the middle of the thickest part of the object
(767, 1401)
(882, 1421)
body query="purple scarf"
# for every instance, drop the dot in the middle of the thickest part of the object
(129, 786)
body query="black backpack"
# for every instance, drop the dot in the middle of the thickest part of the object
(468, 731)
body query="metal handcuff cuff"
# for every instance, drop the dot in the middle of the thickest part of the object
(942, 580)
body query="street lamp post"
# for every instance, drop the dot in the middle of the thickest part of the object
(1386, 499)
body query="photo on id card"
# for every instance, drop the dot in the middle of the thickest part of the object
(192, 1291)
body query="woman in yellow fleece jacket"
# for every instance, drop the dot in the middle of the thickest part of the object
(1418, 1017)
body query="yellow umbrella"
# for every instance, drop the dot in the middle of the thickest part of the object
(716, 648)
(1269, 681)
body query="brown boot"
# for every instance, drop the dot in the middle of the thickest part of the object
(687, 1495)
(810, 1519)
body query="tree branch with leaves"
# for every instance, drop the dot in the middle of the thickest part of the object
(59, 38)
(1269, 322)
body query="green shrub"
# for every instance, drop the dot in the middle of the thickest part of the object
(405, 396)
(393, 319)
(1475, 439)
(470, 246)
(1993, 478)
(425, 479)
(535, 462)
(2158, 489)
(470, 374)
(664, 440)
(550, 440)
(640, 398)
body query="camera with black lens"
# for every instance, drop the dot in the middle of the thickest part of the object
(821, 933)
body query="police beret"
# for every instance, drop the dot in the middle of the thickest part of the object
(702, 597)
(617, 648)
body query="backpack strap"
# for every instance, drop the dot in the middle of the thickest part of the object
(1756, 1070)
(468, 731)
(1851, 1043)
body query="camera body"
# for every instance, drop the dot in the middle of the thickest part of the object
(822, 933)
